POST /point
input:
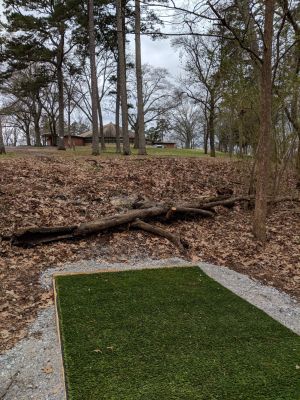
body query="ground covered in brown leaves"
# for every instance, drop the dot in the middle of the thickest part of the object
(47, 191)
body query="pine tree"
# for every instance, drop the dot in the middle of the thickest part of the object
(44, 25)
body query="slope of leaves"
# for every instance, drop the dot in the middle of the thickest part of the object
(36, 191)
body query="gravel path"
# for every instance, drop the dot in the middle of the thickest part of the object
(32, 369)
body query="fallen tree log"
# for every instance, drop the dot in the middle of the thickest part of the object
(29, 237)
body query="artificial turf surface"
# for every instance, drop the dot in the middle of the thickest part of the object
(170, 333)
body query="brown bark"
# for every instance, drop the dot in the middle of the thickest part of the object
(94, 84)
(211, 128)
(122, 66)
(60, 84)
(190, 210)
(139, 81)
(136, 136)
(37, 131)
(101, 131)
(2, 147)
(205, 139)
(70, 141)
(36, 112)
(118, 143)
(27, 135)
(264, 145)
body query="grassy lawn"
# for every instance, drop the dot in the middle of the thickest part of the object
(169, 334)
(7, 155)
(110, 152)
(152, 151)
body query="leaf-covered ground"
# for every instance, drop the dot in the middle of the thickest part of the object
(36, 190)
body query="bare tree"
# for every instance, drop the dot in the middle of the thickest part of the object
(185, 123)
(202, 63)
(159, 96)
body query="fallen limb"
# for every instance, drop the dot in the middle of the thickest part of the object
(29, 237)
(160, 232)
(189, 210)
(226, 202)
(34, 236)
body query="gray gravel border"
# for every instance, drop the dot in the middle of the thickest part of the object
(32, 369)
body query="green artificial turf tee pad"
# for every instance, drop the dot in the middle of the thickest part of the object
(170, 333)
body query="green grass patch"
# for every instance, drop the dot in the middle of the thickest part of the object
(9, 154)
(151, 151)
(173, 333)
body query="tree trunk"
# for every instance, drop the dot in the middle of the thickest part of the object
(136, 136)
(27, 135)
(205, 140)
(298, 163)
(36, 113)
(52, 127)
(94, 83)
(294, 120)
(187, 144)
(122, 66)
(211, 129)
(101, 131)
(118, 144)
(264, 144)
(69, 123)
(241, 137)
(2, 147)
(37, 132)
(70, 141)
(61, 105)
(139, 81)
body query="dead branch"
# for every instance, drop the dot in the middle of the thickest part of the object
(94, 162)
(160, 232)
(188, 210)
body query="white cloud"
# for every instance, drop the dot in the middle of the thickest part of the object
(160, 53)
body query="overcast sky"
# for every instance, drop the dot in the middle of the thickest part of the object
(160, 54)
